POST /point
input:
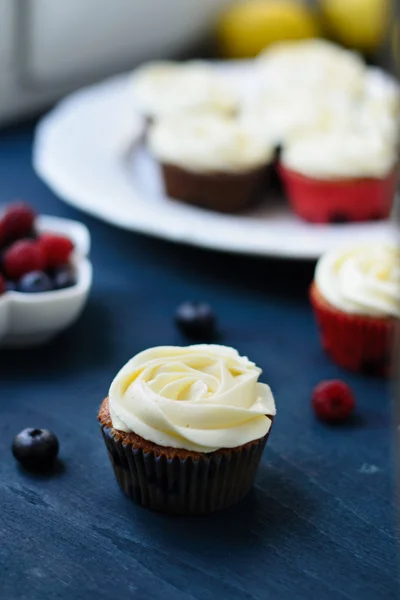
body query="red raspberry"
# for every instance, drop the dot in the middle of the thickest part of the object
(16, 222)
(2, 285)
(333, 401)
(21, 258)
(56, 249)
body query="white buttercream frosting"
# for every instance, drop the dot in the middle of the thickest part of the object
(208, 144)
(382, 92)
(200, 398)
(279, 115)
(169, 88)
(312, 64)
(339, 154)
(362, 279)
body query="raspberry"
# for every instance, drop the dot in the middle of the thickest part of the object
(333, 401)
(2, 285)
(16, 222)
(56, 249)
(21, 258)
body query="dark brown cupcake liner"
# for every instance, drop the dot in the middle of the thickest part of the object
(223, 192)
(184, 486)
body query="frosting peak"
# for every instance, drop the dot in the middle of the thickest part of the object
(199, 398)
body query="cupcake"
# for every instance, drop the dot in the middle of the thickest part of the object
(278, 117)
(163, 89)
(338, 176)
(311, 65)
(355, 296)
(211, 161)
(185, 428)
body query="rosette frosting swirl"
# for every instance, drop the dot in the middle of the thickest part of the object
(199, 398)
(363, 279)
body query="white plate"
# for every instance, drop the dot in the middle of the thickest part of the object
(81, 151)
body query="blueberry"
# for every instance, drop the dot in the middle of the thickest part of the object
(196, 320)
(35, 282)
(63, 277)
(35, 449)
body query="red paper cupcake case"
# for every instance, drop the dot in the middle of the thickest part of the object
(184, 486)
(339, 201)
(357, 343)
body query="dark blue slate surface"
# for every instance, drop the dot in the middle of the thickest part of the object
(320, 522)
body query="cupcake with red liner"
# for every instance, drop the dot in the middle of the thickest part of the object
(185, 428)
(211, 161)
(340, 176)
(355, 296)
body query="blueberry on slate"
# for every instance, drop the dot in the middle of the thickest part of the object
(35, 449)
(63, 277)
(196, 320)
(35, 282)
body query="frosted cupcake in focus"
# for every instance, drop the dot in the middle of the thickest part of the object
(185, 428)
(163, 89)
(356, 300)
(210, 161)
(340, 175)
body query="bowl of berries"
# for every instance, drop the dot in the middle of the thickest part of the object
(45, 275)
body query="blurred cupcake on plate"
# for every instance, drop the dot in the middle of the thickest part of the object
(340, 175)
(211, 161)
(163, 89)
(185, 428)
(355, 296)
(311, 65)
(279, 116)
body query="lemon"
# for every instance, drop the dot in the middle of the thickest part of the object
(359, 24)
(250, 25)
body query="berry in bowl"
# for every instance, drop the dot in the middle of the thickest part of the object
(45, 276)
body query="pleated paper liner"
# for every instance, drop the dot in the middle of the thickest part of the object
(341, 200)
(222, 192)
(183, 485)
(359, 343)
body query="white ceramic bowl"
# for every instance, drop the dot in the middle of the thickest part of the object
(32, 319)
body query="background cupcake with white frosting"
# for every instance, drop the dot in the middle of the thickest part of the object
(279, 117)
(211, 161)
(311, 65)
(355, 296)
(168, 88)
(340, 175)
(185, 428)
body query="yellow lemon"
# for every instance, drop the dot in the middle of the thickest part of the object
(249, 26)
(360, 24)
